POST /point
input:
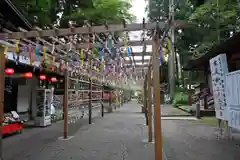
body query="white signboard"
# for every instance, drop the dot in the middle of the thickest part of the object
(233, 98)
(219, 68)
(22, 59)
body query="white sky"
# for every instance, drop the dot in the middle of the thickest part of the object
(138, 9)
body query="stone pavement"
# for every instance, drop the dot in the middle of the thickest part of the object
(33, 140)
(194, 140)
(122, 136)
(117, 136)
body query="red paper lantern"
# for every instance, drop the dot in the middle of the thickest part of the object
(9, 71)
(28, 75)
(54, 79)
(42, 77)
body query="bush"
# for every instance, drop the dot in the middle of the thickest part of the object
(180, 98)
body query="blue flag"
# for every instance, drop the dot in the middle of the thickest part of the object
(129, 51)
(37, 51)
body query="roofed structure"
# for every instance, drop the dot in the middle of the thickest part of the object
(231, 47)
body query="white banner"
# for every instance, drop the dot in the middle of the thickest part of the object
(219, 68)
(233, 98)
(22, 59)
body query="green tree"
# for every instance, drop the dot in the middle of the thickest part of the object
(213, 21)
(209, 23)
(61, 12)
(105, 11)
(40, 12)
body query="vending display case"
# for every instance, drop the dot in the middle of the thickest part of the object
(44, 100)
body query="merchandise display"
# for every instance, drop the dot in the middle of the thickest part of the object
(11, 123)
(44, 101)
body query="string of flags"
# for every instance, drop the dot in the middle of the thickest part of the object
(126, 45)
(93, 57)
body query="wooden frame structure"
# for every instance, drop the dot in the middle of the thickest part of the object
(86, 30)
(38, 34)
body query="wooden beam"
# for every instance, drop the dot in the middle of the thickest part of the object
(86, 30)
(135, 43)
(119, 44)
(49, 48)
(46, 42)
(101, 41)
(137, 65)
(138, 61)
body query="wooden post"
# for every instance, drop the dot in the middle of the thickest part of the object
(110, 100)
(102, 100)
(149, 104)
(157, 108)
(115, 105)
(2, 85)
(90, 102)
(65, 104)
(145, 100)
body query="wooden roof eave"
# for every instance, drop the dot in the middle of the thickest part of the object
(230, 46)
(10, 8)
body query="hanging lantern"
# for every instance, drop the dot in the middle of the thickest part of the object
(28, 75)
(53, 79)
(9, 71)
(42, 77)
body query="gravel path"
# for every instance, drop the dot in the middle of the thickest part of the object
(117, 136)
(193, 140)
(121, 135)
(33, 140)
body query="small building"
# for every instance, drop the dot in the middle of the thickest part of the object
(231, 48)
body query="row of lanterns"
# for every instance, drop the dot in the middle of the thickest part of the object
(10, 71)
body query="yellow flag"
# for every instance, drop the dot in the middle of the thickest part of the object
(169, 45)
(44, 53)
(5, 49)
(82, 56)
(102, 65)
(17, 46)
(164, 50)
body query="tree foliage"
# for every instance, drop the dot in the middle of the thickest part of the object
(104, 11)
(61, 12)
(213, 22)
(208, 23)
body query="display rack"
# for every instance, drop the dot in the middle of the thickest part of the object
(43, 102)
(84, 92)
